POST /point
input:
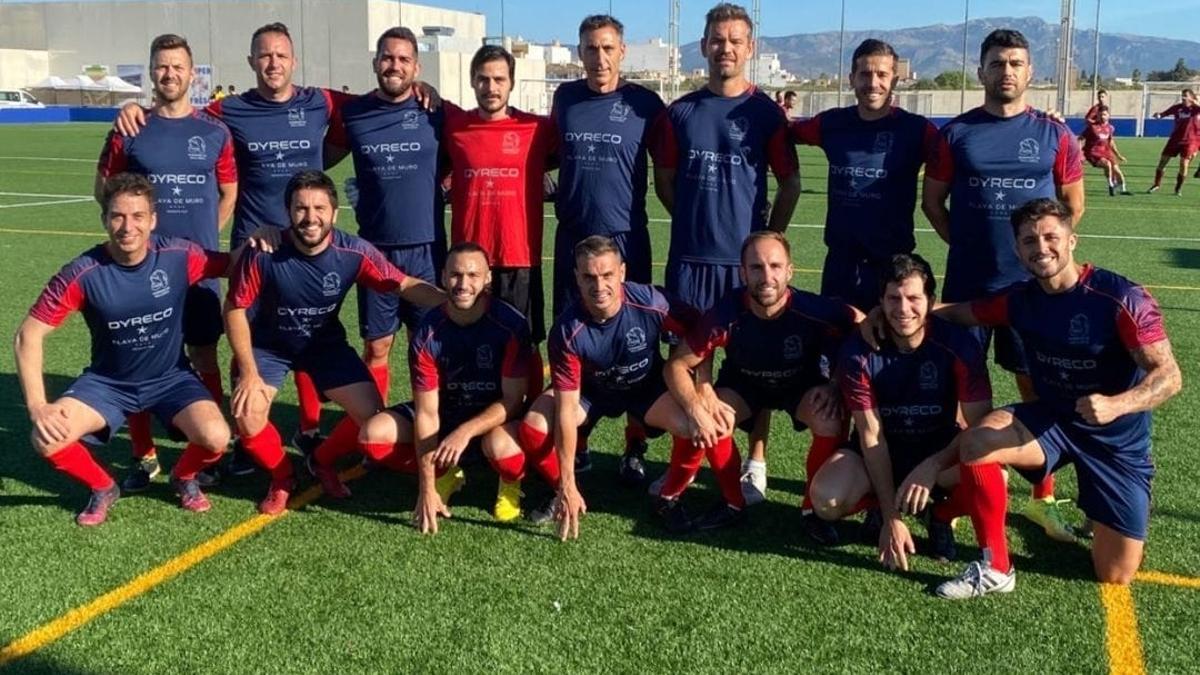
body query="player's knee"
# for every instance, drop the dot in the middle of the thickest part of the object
(376, 350)
(1110, 573)
(213, 436)
(250, 422)
(380, 428)
(975, 445)
(827, 501)
(498, 443)
(538, 417)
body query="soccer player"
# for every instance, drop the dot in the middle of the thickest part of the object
(774, 336)
(605, 362)
(132, 291)
(1100, 150)
(499, 156)
(470, 372)
(789, 103)
(189, 154)
(988, 161)
(905, 400)
(395, 143)
(1092, 116)
(604, 125)
(1100, 361)
(1184, 141)
(282, 313)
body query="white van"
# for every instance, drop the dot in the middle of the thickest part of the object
(18, 98)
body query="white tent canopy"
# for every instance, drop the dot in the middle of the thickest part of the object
(85, 83)
(83, 90)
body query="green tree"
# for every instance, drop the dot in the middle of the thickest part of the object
(950, 79)
(1136, 76)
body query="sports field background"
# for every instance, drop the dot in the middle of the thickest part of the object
(350, 587)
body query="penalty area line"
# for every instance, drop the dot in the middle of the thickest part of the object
(82, 615)
(1166, 579)
(1121, 637)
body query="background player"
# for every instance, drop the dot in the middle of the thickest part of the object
(1100, 150)
(1092, 116)
(132, 292)
(990, 160)
(1184, 141)
(189, 154)
(1100, 361)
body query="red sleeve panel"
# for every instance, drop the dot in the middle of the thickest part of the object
(63, 294)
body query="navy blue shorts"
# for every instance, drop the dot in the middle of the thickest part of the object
(760, 398)
(446, 423)
(380, 314)
(852, 278)
(203, 323)
(330, 366)
(1010, 350)
(635, 249)
(908, 455)
(164, 397)
(521, 287)
(701, 285)
(1114, 483)
(634, 402)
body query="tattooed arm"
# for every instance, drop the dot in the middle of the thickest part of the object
(1163, 380)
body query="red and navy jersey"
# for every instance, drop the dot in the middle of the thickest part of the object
(1097, 139)
(467, 365)
(721, 148)
(873, 168)
(134, 314)
(1092, 116)
(994, 165)
(1077, 343)
(497, 168)
(1187, 123)
(273, 140)
(916, 394)
(603, 145)
(186, 159)
(621, 354)
(781, 354)
(294, 299)
(396, 150)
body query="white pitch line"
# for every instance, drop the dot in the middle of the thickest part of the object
(43, 194)
(51, 203)
(50, 159)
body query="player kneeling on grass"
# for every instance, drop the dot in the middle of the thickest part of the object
(131, 291)
(1100, 361)
(282, 314)
(904, 399)
(774, 336)
(470, 361)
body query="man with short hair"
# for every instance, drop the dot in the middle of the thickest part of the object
(189, 154)
(1100, 361)
(905, 400)
(132, 292)
(988, 161)
(1184, 141)
(1100, 150)
(604, 125)
(282, 314)
(1092, 116)
(789, 103)
(774, 337)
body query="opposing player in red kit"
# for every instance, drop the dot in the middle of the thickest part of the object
(1100, 150)
(1184, 141)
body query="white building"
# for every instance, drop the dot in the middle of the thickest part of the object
(770, 71)
(652, 56)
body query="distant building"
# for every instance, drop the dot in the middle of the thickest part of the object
(652, 56)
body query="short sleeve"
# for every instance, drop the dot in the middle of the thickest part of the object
(566, 368)
(376, 273)
(62, 295)
(517, 352)
(971, 378)
(205, 264)
(226, 162)
(1139, 319)
(929, 143)
(781, 153)
(245, 283)
(806, 131)
(113, 159)
(992, 310)
(854, 381)
(425, 376)
(939, 159)
(664, 147)
(1068, 162)
(710, 333)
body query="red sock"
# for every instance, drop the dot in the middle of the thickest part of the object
(511, 469)
(821, 450)
(195, 459)
(988, 501)
(310, 402)
(1158, 176)
(266, 447)
(1045, 488)
(212, 382)
(685, 462)
(342, 441)
(139, 434)
(400, 457)
(726, 463)
(75, 461)
(383, 379)
(539, 451)
(959, 504)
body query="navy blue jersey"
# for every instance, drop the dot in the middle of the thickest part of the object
(603, 145)
(873, 168)
(916, 394)
(395, 148)
(781, 354)
(467, 365)
(994, 165)
(721, 148)
(1078, 343)
(186, 159)
(294, 299)
(272, 141)
(134, 314)
(621, 354)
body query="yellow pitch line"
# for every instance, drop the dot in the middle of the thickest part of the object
(1121, 631)
(1169, 579)
(80, 616)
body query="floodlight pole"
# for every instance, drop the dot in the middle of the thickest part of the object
(841, 53)
(962, 97)
(1065, 47)
(1096, 56)
(756, 17)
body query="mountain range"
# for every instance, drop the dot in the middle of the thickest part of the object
(937, 48)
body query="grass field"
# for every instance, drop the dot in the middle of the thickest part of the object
(349, 587)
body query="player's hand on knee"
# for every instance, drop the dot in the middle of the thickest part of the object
(571, 509)
(266, 238)
(429, 508)
(249, 393)
(130, 119)
(450, 449)
(826, 403)
(895, 545)
(50, 423)
(916, 490)
(1097, 409)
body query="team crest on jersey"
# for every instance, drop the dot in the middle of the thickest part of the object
(296, 117)
(331, 284)
(1080, 330)
(411, 120)
(196, 148)
(484, 359)
(738, 128)
(927, 378)
(883, 142)
(511, 143)
(1028, 151)
(635, 339)
(160, 284)
(793, 348)
(620, 112)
